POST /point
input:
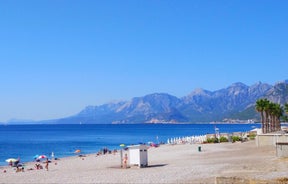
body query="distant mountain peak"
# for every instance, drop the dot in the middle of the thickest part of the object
(238, 84)
(281, 82)
(199, 91)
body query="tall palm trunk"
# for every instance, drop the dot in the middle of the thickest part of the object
(262, 121)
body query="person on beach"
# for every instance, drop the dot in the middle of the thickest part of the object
(125, 160)
(18, 169)
(46, 164)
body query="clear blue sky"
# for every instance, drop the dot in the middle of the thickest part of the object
(58, 56)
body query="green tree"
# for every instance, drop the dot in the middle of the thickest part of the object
(270, 115)
(275, 113)
(279, 114)
(286, 111)
(266, 116)
(260, 104)
(286, 108)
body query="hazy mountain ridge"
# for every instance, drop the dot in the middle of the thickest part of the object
(235, 101)
(200, 105)
(275, 94)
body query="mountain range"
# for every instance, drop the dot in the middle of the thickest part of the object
(237, 101)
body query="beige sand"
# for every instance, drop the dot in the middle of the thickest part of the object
(167, 164)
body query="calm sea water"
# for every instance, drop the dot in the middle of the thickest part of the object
(26, 141)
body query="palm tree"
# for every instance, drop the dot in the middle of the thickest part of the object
(260, 104)
(286, 108)
(286, 111)
(266, 109)
(279, 113)
(272, 117)
(275, 113)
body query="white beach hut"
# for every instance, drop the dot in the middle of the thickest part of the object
(138, 155)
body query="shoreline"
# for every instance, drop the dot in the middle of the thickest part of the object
(93, 144)
(182, 163)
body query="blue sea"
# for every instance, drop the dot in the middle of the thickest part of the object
(26, 141)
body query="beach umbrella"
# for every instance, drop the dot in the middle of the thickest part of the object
(11, 160)
(36, 156)
(42, 156)
(77, 151)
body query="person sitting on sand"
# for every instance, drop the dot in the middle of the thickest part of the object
(38, 166)
(18, 169)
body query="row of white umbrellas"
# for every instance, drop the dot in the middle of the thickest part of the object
(188, 139)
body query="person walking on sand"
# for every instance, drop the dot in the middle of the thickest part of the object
(125, 160)
(46, 164)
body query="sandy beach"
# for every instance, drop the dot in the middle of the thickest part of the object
(167, 164)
